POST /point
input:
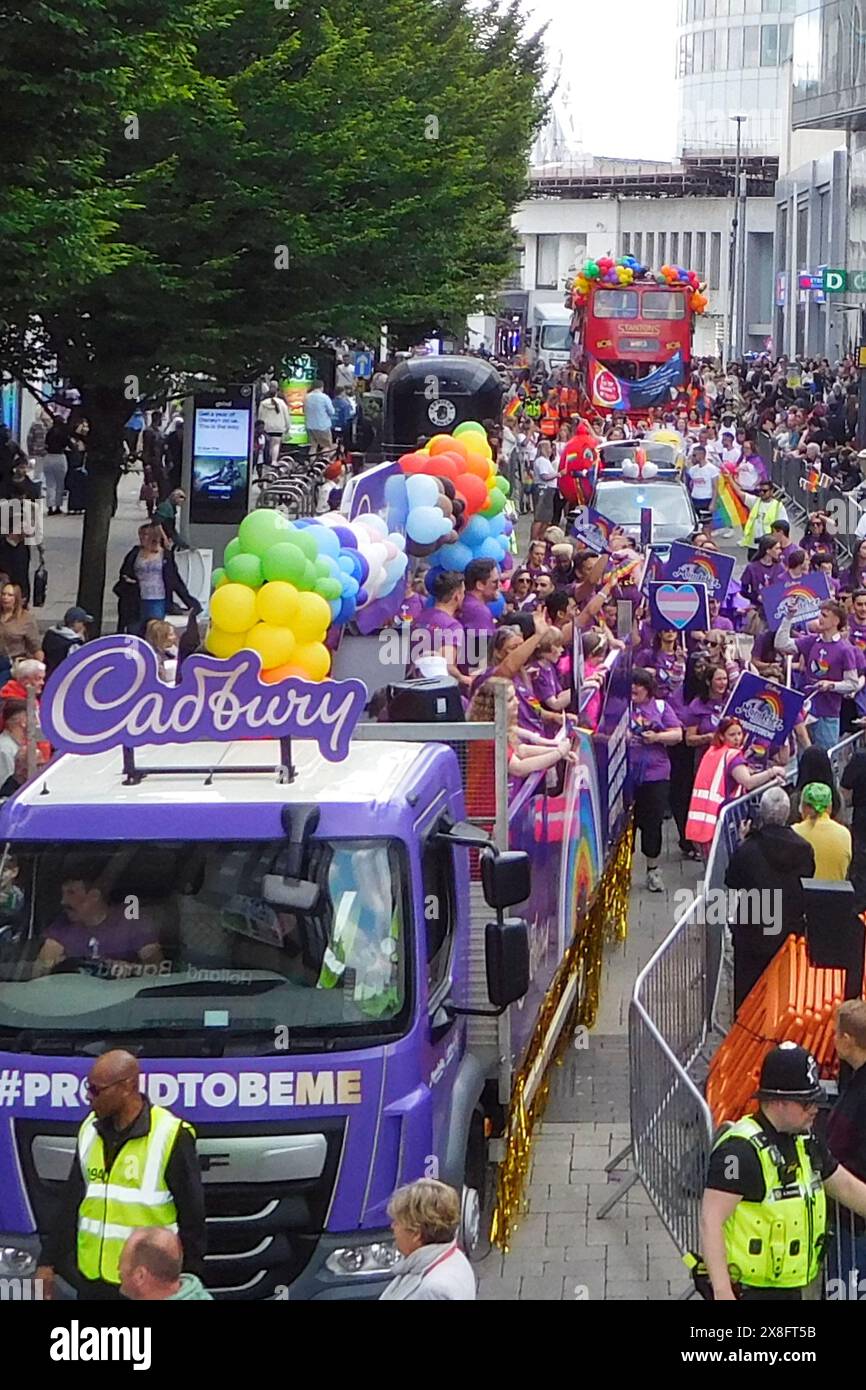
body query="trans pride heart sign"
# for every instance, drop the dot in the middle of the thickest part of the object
(682, 607)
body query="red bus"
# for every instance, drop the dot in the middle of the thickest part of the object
(632, 344)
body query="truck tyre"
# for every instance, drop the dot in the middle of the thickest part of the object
(476, 1193)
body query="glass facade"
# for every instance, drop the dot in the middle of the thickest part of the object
(830, 65)
(731, 58)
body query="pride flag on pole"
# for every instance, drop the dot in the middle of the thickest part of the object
(730, 510)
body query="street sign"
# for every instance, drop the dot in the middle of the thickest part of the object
(838, 281)
(810, 281)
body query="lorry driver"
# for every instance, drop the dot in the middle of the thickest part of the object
(90, 928)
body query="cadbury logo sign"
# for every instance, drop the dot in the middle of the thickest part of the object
(109, 693)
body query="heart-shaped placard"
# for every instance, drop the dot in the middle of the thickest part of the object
(678, 603)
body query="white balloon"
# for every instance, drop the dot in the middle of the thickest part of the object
(396, 539)
(331, 519)
(372, 522)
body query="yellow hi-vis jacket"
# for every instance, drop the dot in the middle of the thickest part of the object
(777, 1243)
(132, 1194)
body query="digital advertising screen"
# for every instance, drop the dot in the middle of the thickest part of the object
(220, 463)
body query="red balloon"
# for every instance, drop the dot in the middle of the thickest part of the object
(445, 466)
(414, 463)
(478, 466)
(473, 491)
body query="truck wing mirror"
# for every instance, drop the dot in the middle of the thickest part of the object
(505, 878)
(506, 951)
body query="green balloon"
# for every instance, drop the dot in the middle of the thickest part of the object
(322, 568)
(262, 529)
(305, 542)
(502, 484)
(233, 548)
(329, 588)
(284, 561)
(246, 569)
(218, 578)
(495, 503)
(470, 427)
(310, 576)
(591, 271)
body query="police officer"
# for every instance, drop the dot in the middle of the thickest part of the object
(763, 1216)
(135, 1166)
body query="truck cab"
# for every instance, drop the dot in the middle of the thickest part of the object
(288, 960)
(551, 337)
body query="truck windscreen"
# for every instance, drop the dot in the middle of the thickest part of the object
(138, 938)
(556, 337)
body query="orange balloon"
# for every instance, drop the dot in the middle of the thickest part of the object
(460, 448)
(283, 673)
(479, 466)
(440, 444)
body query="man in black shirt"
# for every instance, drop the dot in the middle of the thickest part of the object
(853, 782)
(846, 1134)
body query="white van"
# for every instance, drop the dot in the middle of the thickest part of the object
(550, 336)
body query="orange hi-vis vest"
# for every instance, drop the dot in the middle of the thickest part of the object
(708, 794)
(549, 423)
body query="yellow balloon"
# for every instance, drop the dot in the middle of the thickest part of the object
(311, 620)
(276, 603)
(314, 659)
(224, 644)
(233, 608)
(275, 645)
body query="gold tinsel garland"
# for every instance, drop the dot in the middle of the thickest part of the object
(605, 919)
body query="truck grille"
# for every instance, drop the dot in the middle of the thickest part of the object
(267, 1195)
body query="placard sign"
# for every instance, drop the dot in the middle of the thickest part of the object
(594, 530)
(689, 564)
(683, 607)
(797, 599)
(767, 711)
(108, 694)
(222, 438)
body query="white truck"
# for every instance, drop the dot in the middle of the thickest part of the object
(549, 338)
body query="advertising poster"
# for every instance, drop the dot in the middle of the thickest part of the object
(688, 564)
(222, 431)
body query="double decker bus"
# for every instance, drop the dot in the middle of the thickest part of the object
(632, 344)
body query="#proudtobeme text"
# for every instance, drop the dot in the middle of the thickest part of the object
(716, 907)
(77, 1343)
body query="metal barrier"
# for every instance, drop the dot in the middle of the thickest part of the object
(670, 1016)
(788, 473)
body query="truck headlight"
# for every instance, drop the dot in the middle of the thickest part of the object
(377, 1258)
(16, 1262)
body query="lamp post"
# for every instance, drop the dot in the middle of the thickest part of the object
(734, 267)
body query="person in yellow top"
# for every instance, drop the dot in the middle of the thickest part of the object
(830, 840)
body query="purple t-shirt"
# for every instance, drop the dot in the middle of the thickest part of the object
(757, 576)
(857, 634)
(476, 616)
(826, 660)
(115, 938)
(670, 669)
(705, 714)
(650, 761)
(545, 682)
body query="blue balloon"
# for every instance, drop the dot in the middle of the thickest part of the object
(350, 586)
(430, 576)
(490, 549)
(346, 564)
(475, 531)
(497, 605)
(303, 522)
(327, 541)
(498, 524)
(348, 540)
(362, 597)
(335, 604)
(454, 557)
(425, 525)
(348, 609)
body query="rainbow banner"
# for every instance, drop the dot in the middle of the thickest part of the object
(797, 599)
(767, 712)
(730, 510)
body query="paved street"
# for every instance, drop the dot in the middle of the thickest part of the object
(63, 551)
(561, 1250)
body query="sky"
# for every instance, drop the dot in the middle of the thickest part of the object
(623, 92)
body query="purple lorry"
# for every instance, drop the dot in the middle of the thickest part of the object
(306, 940)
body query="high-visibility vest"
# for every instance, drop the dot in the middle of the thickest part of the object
(768, 513)
(133, 1193)
(374, 991)
(549, 424)
(777, 1243)
(708, 794)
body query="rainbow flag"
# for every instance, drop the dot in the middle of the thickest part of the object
(729, 510)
